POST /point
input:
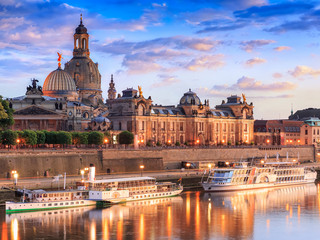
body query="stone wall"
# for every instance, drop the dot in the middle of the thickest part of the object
(36, 163)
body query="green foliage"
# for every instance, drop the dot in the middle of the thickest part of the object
(84, 138)
(6, 114)
(30, 137)
(9, 137)
(186, 143)
(229, 143)
(95, 138)
(76, 138)
(177, 143)
(158, 143)
(63, 137)
(237, 143)
(252, 143)
(107, 135)
(51, 137)
(41, 137)
(126, 137)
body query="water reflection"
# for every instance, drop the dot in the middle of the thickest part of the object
(260, 214)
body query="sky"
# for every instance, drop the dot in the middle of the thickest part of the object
(267, 50)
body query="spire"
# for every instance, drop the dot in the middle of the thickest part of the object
(81, 19)
(112, 90)
(291, 109)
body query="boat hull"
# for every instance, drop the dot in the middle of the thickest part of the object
(208, 187)
(39, 206)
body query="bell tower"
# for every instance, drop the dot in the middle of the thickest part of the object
(81, 41)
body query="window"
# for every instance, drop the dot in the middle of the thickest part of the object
(181, 126)
(306, 132)
(120, 126)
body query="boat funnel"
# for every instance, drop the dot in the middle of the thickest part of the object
(92, 173)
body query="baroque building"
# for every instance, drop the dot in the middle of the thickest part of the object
(83, 70)
(191, 121)
(70, 99)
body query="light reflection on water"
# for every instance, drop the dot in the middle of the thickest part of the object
(286, 213)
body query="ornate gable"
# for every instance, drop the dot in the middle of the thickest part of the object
(34, 110)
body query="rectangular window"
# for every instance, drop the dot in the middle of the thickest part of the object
(306, 131)
(181, 126)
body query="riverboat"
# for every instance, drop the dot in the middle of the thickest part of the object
(241, 176)
(35, 200)
(130, 189)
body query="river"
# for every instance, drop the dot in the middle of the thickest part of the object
(281, 213)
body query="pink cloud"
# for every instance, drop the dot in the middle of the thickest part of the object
(301, 71)
(255, 61)
(282, 48)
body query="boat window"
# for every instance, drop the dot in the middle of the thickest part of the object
(49, 204)
(72, 203)
(56, 204)
(61, 204)
(67, 204)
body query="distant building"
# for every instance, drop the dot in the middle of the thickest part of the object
(191, 121)
(305, 114)
(310, 131)
(277, 132)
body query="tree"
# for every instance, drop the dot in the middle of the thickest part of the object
(9, 137)
(107, 135)
(6, 114)
(30, 137)
(95, 138)
(84, 138)
(50, 137)
(76, 138)
(41, 137)
(126, 137)
(63, 137)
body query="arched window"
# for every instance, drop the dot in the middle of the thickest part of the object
(141, 110)
(77, 43)
(83, 43)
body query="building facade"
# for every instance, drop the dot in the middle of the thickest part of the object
(277, 132)
(191, 121)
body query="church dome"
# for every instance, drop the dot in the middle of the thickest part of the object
(190, 98)
(81, 29)
(59, 84)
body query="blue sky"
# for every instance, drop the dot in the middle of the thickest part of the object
(268, 50)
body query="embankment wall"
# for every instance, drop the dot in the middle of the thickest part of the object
(36, 163)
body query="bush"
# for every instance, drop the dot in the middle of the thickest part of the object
(252, 143)
(107, 135)
(149, 143)
(159, 144)
(186, 143)
(30, 137)
(126, 137)
(63, 137)
(9, 137)
(51, 137)
(177, 143)
(76, 138)
(229, 143)
(41, 137)
(84, 138)
(95, 138)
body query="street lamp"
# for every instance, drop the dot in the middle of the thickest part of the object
(15, 177)
(209, 165)
(82, 174)
(141, 169)
(18, 141)
(188, 166)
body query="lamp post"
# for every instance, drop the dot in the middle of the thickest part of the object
(106, 142)
(188, 167)
(82, 175)
(15, 177)
(141, 169)
(209, 165)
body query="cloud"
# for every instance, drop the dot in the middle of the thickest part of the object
(250, 84)
(205, 62)
(282, 48)
(277, 75)
(165, 54)
(165, 80)
(255, 61)
(249, 46)
(281, 9)
(301, 71)
(204, 91)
